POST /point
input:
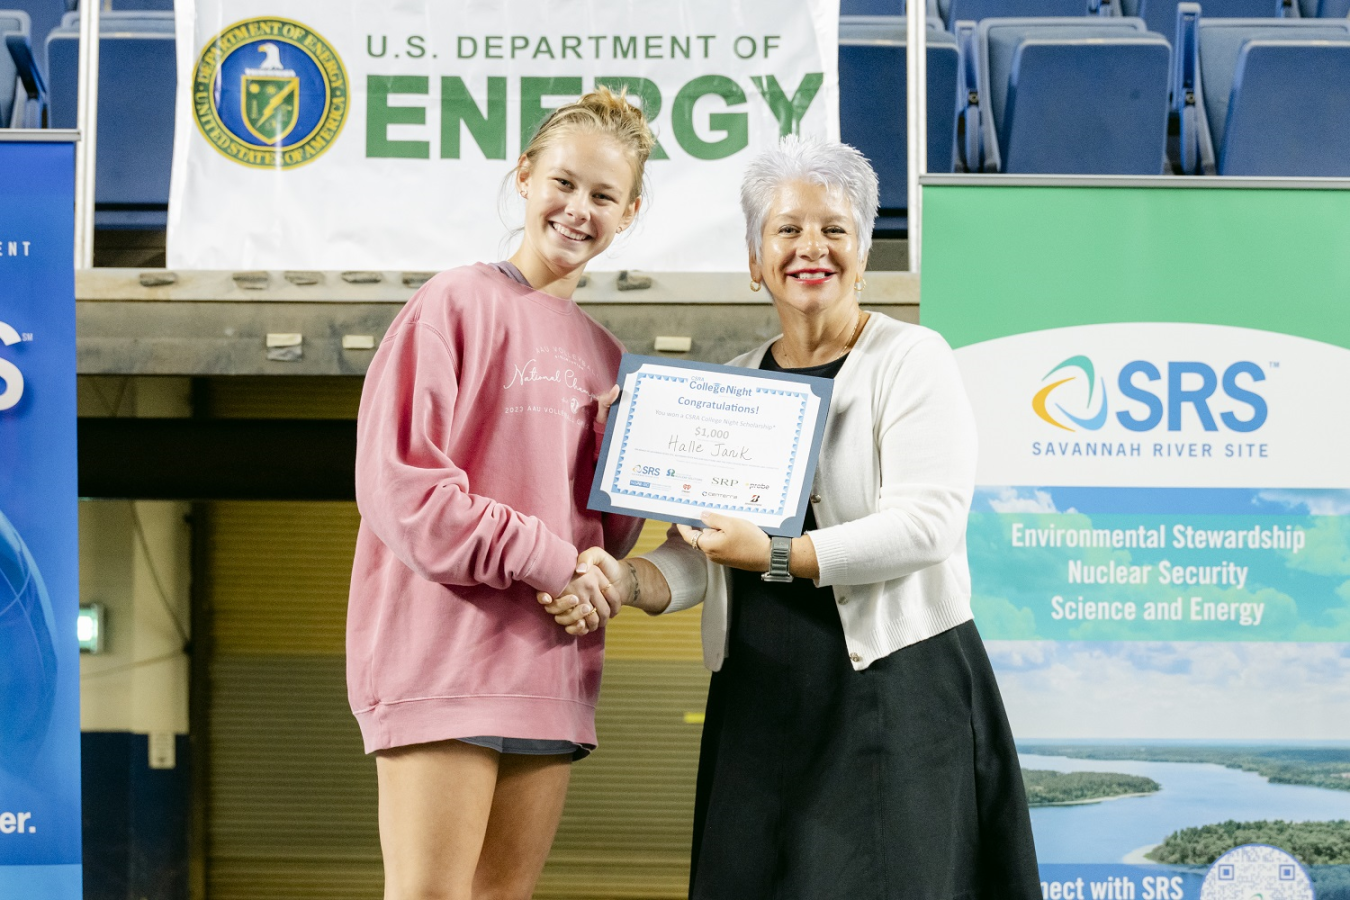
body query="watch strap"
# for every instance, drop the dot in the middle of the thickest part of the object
(780, 552)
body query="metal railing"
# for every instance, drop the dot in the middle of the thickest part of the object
(86, 151)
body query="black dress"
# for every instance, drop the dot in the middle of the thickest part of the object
(815, 781)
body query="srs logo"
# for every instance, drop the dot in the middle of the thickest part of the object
(1151, 395)
(11, 379)
(1079, 369)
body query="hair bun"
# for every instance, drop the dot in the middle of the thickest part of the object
(601, 111)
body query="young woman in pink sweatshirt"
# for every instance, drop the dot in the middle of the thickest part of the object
(477, 439)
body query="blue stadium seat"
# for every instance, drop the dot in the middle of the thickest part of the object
(137, 80)
(1263, 97)
(1066, 96)
(15, 22)
(853, 9)
(1290, 110)
(120, 5)
(44, 16)
(954, 11)
(23, 91)
(141, 20)
(1161, 15)
(871, 8)
(872, 104)
(1324, 9)
(25, 87)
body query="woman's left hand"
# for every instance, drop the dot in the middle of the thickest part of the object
(730, 541)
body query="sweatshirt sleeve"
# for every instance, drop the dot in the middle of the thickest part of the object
(413, 496)
(927, 452)
(684, 569)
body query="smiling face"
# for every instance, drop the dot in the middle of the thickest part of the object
(809, 261)
(578, 194)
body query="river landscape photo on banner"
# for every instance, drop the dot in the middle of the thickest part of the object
(1160, 537)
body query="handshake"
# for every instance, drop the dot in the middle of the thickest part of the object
(600, 587)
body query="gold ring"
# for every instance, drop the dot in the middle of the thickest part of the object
(694, 543)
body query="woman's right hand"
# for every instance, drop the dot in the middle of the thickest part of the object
(592, 598)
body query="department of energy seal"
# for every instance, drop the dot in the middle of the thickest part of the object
(1257, 872)
(269, 93)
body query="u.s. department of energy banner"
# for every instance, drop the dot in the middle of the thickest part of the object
(39, 583)
(1160, 539)
(342, 134)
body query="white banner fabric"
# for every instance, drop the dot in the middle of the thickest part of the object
(318, 134)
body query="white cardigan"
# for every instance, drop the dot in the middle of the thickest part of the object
(891, 536)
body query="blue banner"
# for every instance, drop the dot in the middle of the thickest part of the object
(39, 580)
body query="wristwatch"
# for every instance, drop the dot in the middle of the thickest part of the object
(780, 549)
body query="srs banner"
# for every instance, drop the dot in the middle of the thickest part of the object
(351, 134)
(1160, 539)
(39, 584)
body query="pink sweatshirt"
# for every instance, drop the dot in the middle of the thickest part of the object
(475, 455)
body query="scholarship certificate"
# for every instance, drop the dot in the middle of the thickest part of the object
(686, 437)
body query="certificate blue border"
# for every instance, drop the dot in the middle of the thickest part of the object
(631, 364)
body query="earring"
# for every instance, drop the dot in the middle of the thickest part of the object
(754, 286)
(859, 285)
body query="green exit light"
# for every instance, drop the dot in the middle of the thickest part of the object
(89, 628)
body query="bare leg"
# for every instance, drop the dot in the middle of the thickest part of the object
(525, 813)
(435, 802)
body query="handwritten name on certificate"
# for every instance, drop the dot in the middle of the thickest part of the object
(686, 437)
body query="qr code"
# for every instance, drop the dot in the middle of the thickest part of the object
(1256, 872)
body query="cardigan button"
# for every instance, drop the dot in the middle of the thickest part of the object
(815, 498)
(843, 601)
(855, 657)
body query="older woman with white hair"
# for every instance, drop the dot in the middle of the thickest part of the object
(855, 744)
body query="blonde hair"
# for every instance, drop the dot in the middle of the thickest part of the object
(600, 112)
